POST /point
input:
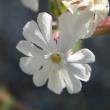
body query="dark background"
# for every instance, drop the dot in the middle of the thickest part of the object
(95, 94)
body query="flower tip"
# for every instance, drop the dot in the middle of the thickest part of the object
(27, 25)
(55, 91)
(18, 45)
(92, 58)
(44, 15)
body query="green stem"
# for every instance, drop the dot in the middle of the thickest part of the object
(58, 7)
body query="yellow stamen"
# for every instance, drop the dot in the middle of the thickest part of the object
(56, 58)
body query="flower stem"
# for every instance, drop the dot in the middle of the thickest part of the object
(58, 7)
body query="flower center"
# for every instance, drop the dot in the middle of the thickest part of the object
(56, 58)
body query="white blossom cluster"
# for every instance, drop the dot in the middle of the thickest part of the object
(51, 59)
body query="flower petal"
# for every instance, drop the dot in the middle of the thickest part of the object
(76, 28)
(28, 48)
(32, 33)
(30, 65)
(56, 82)
(80, 71)
(31, 4)
(91, 27)
(66, 79)
(82, 56)
(40, 77)
(101, 8)
(76, 85)
(45, 24)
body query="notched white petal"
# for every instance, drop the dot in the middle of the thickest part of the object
(82, 56)
(45, 24)
(66, 79)
(77, 86)
(32, 33)
(56, 83)
(28, 48)
(30, 65)
(41, 76)
(81, 71)
(75, 83)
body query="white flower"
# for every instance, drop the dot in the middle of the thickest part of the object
(82, 21)
(84, 16)
(31, 4)
(76, 27)
(48, 60)
(99, 7)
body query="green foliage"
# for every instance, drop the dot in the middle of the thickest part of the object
(77, 46)
(57, 8)
(6, 100)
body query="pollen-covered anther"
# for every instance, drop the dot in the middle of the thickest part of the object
(56, 58)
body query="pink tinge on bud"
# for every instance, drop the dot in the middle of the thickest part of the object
(69, 52)
(56, 36)
(105, 22)
(81, 8)
(76, 2)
